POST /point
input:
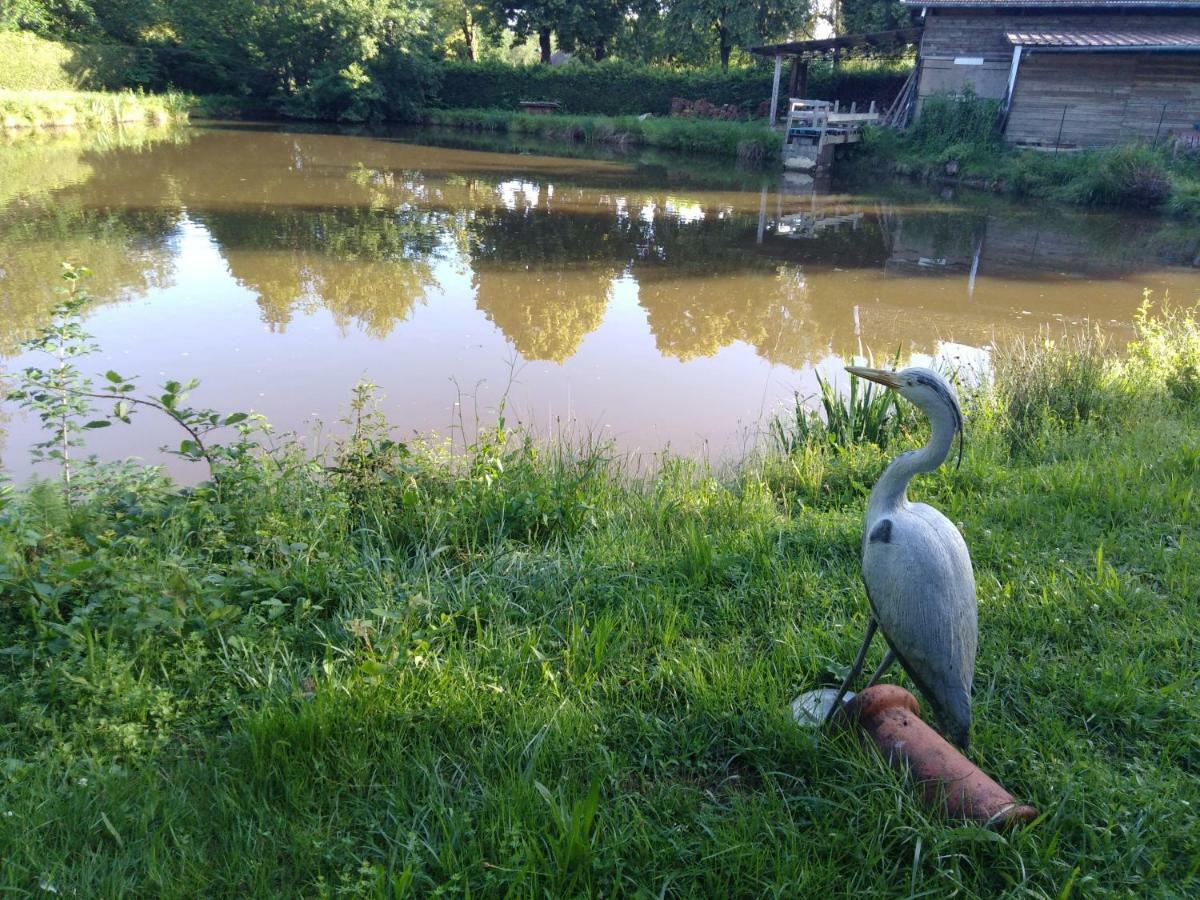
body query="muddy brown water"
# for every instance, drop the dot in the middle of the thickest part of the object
(656, 302)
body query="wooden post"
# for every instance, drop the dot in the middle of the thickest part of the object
(794, 78)
(775, 88)
(802, 87)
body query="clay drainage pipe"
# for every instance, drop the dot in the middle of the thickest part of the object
(946, 779)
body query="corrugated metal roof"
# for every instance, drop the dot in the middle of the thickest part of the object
(1109, 40)
(1060, 4)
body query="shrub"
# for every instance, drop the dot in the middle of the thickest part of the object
(1123, 176)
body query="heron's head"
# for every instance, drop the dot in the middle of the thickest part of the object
(926, 388)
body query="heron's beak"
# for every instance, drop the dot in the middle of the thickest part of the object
(879, 376)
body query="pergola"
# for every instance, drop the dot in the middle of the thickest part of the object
(877, 43)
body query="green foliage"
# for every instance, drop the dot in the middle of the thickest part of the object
(1168, 349)
(1124, 176)
(623, 88)
(58, 394)
(865, 16)
(868, 413)
(526, 670)
(61, 395)
(963, 130)
(947, 126)
(750, 141)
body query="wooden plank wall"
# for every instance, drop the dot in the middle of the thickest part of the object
(967, 32)
(953, 33)
(1103, 98)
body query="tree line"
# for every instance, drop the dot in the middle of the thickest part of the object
(377, 57)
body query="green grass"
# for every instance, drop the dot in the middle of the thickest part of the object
(32, 63)
(517, 669)
(20, 110)
(751, 141)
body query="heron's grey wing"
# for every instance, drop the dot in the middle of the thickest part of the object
(919, 579)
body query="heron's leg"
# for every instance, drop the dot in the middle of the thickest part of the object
(888, 659)
(854, 669)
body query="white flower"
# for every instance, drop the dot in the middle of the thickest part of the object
(82, 782)
(46, 886)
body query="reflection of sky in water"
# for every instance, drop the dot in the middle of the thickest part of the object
(602, 298)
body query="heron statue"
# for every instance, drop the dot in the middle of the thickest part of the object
(916, 566)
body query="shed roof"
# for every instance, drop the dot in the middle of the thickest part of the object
(1057, 4)
(1127, 40)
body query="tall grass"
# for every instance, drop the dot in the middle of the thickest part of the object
(1051, 383)
(78, 109)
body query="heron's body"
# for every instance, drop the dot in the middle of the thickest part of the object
(917, 569)
(922, 593)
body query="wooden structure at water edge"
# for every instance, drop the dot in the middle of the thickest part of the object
(1069, 73)
(815, 128)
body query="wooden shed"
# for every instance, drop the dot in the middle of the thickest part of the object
(1068, 72)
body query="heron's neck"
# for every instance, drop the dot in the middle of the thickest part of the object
(891, 491)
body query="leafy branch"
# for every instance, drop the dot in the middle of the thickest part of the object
(61, 395)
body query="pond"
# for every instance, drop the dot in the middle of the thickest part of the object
(655, 302)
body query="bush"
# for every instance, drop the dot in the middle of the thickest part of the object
(1131, 176)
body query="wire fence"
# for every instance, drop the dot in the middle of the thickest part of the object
(1047, 125)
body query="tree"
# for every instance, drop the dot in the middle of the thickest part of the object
(739, 24)
(591, 25)
(51, 18)
(865, 16)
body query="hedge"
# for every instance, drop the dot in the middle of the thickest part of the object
(616, 88)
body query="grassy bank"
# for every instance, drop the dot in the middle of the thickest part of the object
(749, 141)
(32, 63)
(400, 668)
(957, 141)
(21, 110)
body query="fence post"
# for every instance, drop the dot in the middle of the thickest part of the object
(1162, 116)
(1061, 122)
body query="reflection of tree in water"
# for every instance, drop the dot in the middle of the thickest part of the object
(544, 278)
(699, 311)
(127, 250)
(363, 265)
(704, 288)
(545, 314)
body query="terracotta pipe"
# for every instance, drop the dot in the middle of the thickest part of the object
(947, 780)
